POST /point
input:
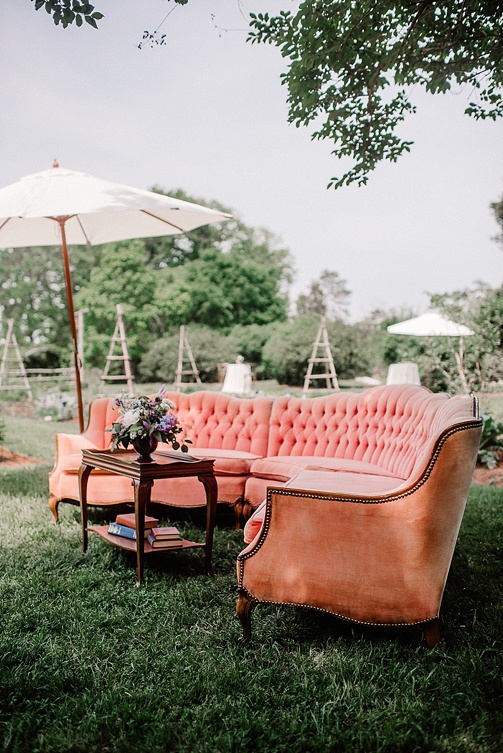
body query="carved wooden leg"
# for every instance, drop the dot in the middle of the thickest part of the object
(84, 472)
(244, 605)
(238, 513)
(142, 490)
(432, 633)
(247, 510)
(242, 511)
(211, 489)
(53, 506)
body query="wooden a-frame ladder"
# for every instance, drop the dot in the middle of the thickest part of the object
(184, 346)
(329, 374)
(18, 374)
(119, 336)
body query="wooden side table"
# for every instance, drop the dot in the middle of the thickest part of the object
(142, 475)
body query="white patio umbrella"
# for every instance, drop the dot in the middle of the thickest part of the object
(433, 324)
(430, 324)
(61, 207)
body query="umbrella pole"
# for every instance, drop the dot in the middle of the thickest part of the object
(69, 296)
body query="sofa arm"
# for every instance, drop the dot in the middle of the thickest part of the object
(69, 451)
(375, 559)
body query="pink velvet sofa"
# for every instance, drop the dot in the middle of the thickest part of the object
(356, 498)
(364, 496)
(232, 431)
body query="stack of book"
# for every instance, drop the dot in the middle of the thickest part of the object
(164, 537)
(160, 537)
(125, 525)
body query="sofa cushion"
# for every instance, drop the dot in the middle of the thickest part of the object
(345, 483)
(227, 462)
(331, 482)
(284, 468)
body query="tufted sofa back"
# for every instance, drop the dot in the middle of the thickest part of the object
(211, 420)
(221, 422)
(387, 426)
(391, 426)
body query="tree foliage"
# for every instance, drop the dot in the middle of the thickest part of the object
(32, 292)
(497, 208)
(66, 12)
(121, 277)
(221, 290)
(209, 348)
(353, 64)
(287, 352)
(259, 243)
(327, 296)
(250, 340)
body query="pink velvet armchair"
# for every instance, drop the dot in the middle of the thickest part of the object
(365, 547)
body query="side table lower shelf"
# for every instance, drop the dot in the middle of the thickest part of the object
(143, 476)
(130, 544)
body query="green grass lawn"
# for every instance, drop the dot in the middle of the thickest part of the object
(90, 663)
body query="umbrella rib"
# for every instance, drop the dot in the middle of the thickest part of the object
(83, 231)
(166, 222)
(5, 222)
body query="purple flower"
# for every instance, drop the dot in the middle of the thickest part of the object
(166, 423)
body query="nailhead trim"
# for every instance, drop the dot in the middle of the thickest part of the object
(336, 614)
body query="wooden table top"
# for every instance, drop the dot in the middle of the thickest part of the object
(167, 464)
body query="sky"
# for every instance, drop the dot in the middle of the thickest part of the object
(207, 113)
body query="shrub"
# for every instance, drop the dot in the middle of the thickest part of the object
(250, 340)
(287, 352)
(209, 348)
(491, 441)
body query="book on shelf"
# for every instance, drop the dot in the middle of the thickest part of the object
(165, 533)
(128, 519)
(125, 531)
(164, 543)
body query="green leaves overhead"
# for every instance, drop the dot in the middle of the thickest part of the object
(66, 12)
(352, 65)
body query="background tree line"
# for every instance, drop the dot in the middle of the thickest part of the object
(230, 285)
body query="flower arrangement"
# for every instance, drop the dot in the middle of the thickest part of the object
(145, 420)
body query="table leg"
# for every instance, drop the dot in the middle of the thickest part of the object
(84, 472)
(210, 486)
(141, 499)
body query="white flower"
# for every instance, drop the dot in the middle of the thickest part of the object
(168, 404)
(130, 417)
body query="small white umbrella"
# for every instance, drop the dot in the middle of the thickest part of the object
(433, 324)
(64, 207)
(430, 324)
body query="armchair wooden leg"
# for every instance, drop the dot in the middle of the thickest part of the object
(247, 510)
(242, 511)
(238, 513)
(244, 606)
(432, 633)
(53, 506)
